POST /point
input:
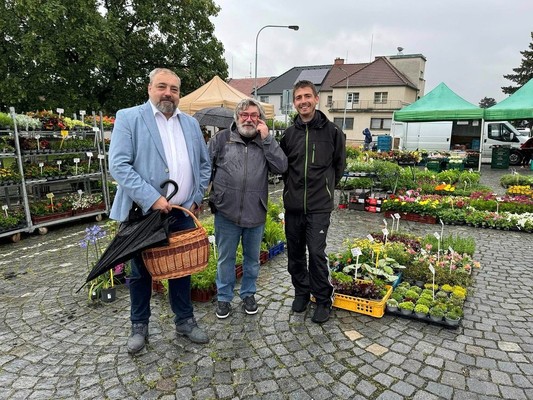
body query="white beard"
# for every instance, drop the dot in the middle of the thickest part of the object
(246, 130)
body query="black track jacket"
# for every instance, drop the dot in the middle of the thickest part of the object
(316, 152)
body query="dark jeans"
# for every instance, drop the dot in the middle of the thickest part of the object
(179, 289)
(309, 232)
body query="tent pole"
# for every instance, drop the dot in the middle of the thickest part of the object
(481, 144)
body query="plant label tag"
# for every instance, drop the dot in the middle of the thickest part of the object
(397, 216)
(211, 238)
(11, 109)
(109, 296)
(437, 236)
(60, 110)
(96, 129)
(356, 251)
(80, 192)
(50, 195)
(385, 221)
(41, 164)
(442, 223)
(385, 231)
(64, 133)
(4, 207)
(76, 160)
(82, 112)
(432, 269)
(101, 156)
(59, 162)
(89, 154)
(370, 238)
(281, 215)
(37, 137)
(450, 249)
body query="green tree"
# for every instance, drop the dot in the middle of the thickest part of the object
(523, 73)
(96, 54)
(487, 102)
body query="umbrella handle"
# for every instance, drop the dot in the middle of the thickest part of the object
(173, 183)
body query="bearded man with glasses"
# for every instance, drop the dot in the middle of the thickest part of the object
(241, 158)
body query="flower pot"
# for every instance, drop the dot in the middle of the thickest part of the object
(108, 295)
(263, 257)
(405, 311)
(203, 295)
(238, 271)
(392, 309)
(435, 319)
(421, 315)
(157, 287)
(452, 322)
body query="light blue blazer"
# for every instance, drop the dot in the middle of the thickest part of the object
(137, 160)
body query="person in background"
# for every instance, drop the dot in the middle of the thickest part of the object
(241, 156)
(150, 144)
(316, 152)
(368, 139)
(527, 151)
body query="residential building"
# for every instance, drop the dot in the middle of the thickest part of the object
(246, 85)
(359, 96)
(354, 95)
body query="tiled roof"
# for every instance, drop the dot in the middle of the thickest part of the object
(380, 72)
(288, 79)
(246, 85)
(336, 74)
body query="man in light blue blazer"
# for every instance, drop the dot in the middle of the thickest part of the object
(151, 143)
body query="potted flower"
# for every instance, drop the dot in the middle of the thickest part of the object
(406, 307)
(421, 310)
(436, 313)
(453, 316)
(392, 305)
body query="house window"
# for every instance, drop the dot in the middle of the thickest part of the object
(263, 99)
(349, 123)
(380, 97)
(353, 97)
(380, 123)
(330, 101)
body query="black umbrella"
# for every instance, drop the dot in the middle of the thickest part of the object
(138, 233)
(220, 117)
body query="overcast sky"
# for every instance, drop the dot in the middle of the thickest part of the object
(469, 45)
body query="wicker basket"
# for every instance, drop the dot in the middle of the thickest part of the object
(187, 253)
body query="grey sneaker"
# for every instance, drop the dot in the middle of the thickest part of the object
(223, 309)
(190, 329)
(138, 338)
(250, 305)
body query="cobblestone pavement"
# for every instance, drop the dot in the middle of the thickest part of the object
(54, 346)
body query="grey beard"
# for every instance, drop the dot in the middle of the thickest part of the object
(247, 131)
(166, 107)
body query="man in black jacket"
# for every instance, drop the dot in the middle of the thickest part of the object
(316, 152)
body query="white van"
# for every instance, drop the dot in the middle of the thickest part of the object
(448, 135)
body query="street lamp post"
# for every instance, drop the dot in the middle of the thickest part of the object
(346, 99)
(293, 27)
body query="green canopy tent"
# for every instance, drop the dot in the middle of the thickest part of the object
(519, 105)
(440, 104)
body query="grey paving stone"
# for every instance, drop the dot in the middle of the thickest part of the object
(366, 388)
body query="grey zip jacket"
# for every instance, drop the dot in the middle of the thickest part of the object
(240, 175)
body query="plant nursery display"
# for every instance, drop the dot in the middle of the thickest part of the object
(51, 176)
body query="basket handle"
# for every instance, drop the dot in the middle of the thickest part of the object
(196, 221)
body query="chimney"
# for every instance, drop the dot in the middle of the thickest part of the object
(339, 61)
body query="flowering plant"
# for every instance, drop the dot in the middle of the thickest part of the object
(95, 242)
(83, 201)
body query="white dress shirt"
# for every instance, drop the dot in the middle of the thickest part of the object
(178, 161)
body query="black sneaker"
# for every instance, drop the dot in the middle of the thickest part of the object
(321, 314)
(250, 305)
(223, 309)
(300, 303)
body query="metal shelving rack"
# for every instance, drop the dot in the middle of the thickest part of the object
(20, 194)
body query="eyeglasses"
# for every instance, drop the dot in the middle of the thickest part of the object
(245, 116)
